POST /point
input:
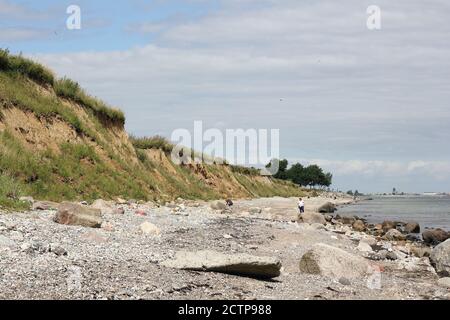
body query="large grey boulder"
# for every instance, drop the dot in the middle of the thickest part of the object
(312, 217)
(238, 264)
(78, 215)
(327, 208)
(440, 258)
(326, 260)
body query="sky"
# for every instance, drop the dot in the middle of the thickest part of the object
(371, 106)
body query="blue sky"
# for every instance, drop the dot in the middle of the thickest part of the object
(371, 106)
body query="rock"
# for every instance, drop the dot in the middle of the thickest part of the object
(255, 210)
(347, 220)
(58, 250)
(6, 242)
(435, 236)
(150, 229)
(119, 211)
(390, 255)
(333, 262)
(444, 282)
(394, 235)
(45, 205)
(312, 217)
(77, 215)
(328, 218)
(327, 208)
(218, 205)
(371, 241)
(364, 247)
(104, 206)
(420, 252)
(344, 281)
(318, 226)
(359, 225)
(388, 225)
(121, 201)
(238, 264)
(440, 258)
(228, 236)
(141, 213)
(412, 227)
(30, 200)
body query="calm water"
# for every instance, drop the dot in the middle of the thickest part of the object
(428, 211)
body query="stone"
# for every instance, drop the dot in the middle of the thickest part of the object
(318, 226)
(394, 235)
(412, 227)
(347, 220)
(45, 205)
(6, 242)
(141, 213)
(364, 247)
(121, 201)
(255, 210)
(327, 208)
(218, 205)
(30, 200)
(326, 260)
(104, 206)
(440, 258)
(58, 250)
(388, 225)
(78, 215)
(444, 282)
(312, 217)
(390, 255)
(359, 225)
(119, 211)
(420, 252)
(237, 264)
(435, 236)
(344, 281)
(150, 229)
(371, 241)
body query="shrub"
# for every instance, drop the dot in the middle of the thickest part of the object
(31, 69)
(4, 59)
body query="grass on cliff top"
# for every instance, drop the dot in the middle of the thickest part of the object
(65, 88)
(156, 142)
(71, 90)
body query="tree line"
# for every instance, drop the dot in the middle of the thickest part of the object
(309, 176)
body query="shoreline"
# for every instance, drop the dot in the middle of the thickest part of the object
(38, 255)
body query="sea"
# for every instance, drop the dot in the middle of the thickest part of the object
(430, 211)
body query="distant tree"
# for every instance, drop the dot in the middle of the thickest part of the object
(350, 192)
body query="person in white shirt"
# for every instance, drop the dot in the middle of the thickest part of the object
(301, 205)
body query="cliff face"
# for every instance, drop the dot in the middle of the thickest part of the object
(59, 145)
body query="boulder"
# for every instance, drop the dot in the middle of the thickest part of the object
(104, 206)
(30, 200)
(371, 241)
(326, 260)
(150, 229)
(388, 225)
(435, 236)
(420, 252)
(444, 282)
(359, 225)
(394, 235)
(78, 215)
(364, 247)
(238, 264)
(347, 220)
(440, 258)
(327, 208)
(218, 205)
(312, 217)
(412, 227)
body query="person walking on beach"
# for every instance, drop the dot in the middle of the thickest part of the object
(301, 205)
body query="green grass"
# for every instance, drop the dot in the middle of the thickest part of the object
(26, 67)
(10, 192)
(69, 89)
(156, 142)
